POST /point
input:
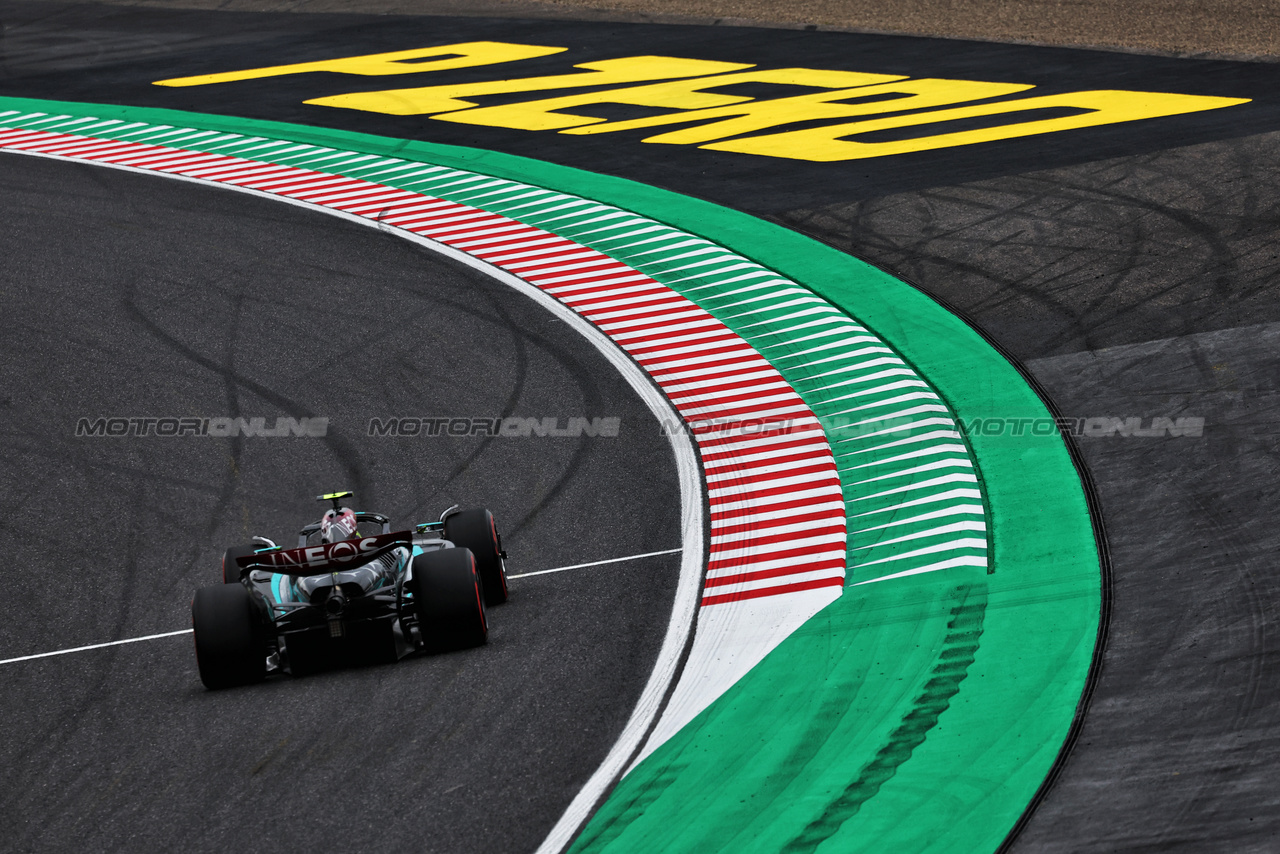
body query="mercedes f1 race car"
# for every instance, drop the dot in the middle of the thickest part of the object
(345, 597)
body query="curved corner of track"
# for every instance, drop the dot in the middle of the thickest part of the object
(901, 593)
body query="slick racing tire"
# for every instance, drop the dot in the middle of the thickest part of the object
(231, 636)
(230, 571)
(446, 596)
(475, 530)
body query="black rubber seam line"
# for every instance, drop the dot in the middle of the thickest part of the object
(1099, 538)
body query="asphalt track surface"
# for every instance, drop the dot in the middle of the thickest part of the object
(136, 295)
(1130, 269)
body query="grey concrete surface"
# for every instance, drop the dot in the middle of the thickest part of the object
(1179, 749)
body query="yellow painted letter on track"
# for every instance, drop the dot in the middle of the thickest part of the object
(894, 97)
(442, 58)
(830, 143)
(681, 95)
(608, 72)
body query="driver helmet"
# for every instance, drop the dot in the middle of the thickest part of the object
(338, 525)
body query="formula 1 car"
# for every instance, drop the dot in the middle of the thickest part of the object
(343, 597)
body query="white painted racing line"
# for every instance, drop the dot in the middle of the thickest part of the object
(188, 631)
(585, 565)
(94, 646)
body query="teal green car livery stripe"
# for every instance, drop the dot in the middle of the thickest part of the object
(921, 709)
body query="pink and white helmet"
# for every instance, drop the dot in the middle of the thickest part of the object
(337, 525)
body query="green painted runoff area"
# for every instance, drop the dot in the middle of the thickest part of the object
(914, 714)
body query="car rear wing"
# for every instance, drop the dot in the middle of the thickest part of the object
(324, 558)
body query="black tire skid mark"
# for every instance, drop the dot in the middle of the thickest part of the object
(496, 317)
(341, 448)
(911, 259)
(521, 339)
(63, 726)
(900, 234)
(1221, 611)
(134, 590)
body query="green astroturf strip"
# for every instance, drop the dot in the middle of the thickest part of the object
(914, 714)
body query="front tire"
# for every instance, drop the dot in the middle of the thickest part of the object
(475, 530)
(231, 636)
(446, 596)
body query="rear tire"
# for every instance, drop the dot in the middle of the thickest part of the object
(230, 570)
(446, 596)
(231, 636)
(475, 530)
